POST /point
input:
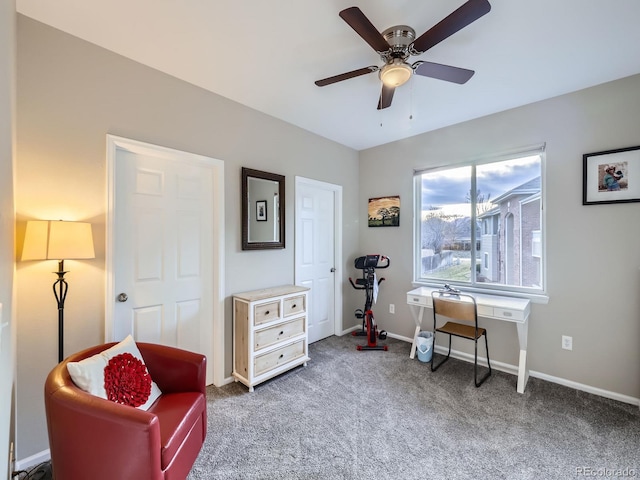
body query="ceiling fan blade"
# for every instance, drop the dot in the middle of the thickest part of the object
(346, 76)
(363, 27)
(385, 97)
(463, 16)
(443, 72)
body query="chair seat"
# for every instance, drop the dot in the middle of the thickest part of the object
(461, 330)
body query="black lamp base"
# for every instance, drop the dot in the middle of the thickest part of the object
(60, 288)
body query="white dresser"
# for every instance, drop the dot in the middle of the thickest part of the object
(269, 333)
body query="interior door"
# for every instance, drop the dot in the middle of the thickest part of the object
(163, 253)
(315, 252)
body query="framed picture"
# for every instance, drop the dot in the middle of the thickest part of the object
(261, 210)
(612, 176)
(384, 211)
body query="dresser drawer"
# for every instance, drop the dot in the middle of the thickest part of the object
(281, 356)
(294, 305)
(278, 333)
(266, 312)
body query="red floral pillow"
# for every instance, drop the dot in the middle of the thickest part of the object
(126, 380)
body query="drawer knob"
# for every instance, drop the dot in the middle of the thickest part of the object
(267, 312)
(293, 306)
(507, 314)
(281, 355)
(416, 299)
(281, 332)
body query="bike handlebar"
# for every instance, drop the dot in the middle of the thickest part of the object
(383, 262)
(382, 259)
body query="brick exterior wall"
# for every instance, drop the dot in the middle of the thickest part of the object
(530, 264)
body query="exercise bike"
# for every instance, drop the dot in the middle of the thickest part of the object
(368, 283)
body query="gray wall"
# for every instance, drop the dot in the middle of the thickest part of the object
(7, 116)
(70, 95)
(593, 258)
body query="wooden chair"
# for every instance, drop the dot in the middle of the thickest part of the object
(461, 314)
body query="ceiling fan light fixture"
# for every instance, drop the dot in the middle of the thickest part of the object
(396, 73)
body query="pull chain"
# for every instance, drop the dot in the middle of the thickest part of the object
(411, 100)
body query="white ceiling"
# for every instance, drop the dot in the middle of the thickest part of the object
(267, 54)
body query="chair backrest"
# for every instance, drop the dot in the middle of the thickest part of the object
(458, 307)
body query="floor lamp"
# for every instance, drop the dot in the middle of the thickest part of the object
(58, 240)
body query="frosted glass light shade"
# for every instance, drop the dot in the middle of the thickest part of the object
(396, 73)
(44, 240)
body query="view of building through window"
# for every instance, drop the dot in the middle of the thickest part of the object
(482, 224)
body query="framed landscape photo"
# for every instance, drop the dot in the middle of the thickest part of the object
(612, 176)
(384, 211)
(261, 210)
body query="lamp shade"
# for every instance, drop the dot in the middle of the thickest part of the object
(44, 240)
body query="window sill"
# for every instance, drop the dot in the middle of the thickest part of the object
(539, 298)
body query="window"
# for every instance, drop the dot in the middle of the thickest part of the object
(494, 205)
(536, 244)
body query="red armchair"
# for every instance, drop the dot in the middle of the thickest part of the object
(90, 437)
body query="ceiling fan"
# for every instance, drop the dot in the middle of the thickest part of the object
(396, 44)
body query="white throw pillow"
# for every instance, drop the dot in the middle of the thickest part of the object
(89, 374)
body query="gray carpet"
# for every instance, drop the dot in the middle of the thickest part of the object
(380, 415)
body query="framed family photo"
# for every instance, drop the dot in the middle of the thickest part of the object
(612, 176)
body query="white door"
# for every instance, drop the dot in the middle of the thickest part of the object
(163, 254)
(317, 247)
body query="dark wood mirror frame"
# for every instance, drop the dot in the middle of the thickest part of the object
(250, 173)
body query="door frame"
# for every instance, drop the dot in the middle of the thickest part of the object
(215, 348)
(337, 242)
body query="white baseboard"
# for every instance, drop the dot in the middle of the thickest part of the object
(467, 357)
(400, 337)
(349, 330)
(587, 388)
(513, 370)
(33, 460)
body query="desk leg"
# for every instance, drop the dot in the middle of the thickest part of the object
(418, 321)
(523, 371)
(412, 355)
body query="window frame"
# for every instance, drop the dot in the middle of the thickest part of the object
(538, 295)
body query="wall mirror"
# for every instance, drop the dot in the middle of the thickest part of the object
(262, 210)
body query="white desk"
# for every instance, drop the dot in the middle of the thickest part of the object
(508, 309)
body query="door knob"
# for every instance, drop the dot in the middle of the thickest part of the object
(123, 297)
(333, 269)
